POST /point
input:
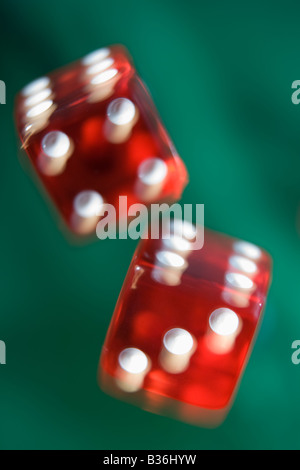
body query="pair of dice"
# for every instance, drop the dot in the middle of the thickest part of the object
(186, 319)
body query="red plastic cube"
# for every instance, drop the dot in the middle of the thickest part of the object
(185, 324)
(92, 133)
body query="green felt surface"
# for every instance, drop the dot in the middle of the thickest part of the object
(220, 74)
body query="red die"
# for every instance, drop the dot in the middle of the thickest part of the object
(184, 326)
(92, 133)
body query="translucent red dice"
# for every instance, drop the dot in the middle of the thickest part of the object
(184, 325)
(91, 133)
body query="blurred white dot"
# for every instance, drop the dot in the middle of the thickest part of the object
(152, 171)
(168, 258)
(243, 264)
(56, 144)
(39, 109)
(104, 76)
(247, 249)
(96, 56)
(184, 228)
(177, 243)
(36, 98)
(239, 281)
(224, 321)
(88, 204)
(133, 360)
(36, 86)
(178, 341)
(100, 66)
(121, 111)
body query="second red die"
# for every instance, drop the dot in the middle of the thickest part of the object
(185, 324)
(91, 133)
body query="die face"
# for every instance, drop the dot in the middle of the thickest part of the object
(92, 126)
(205, 297)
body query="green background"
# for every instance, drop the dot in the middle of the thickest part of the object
(220, 74)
